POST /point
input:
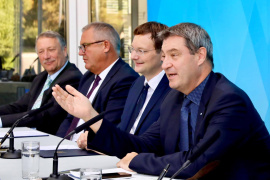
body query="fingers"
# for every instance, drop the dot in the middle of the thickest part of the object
(59, 93)
(118, 164)
(73, 91)
(124, 163)
(79, 143)
(82, 141)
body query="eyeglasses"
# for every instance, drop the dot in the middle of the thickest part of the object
(139, 52)
(84, 45)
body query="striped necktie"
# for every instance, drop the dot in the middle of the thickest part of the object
(39, 99)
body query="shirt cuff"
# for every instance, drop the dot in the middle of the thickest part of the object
(1, 124)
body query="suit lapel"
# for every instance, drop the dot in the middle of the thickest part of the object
(111, 73)
(131, 102)
(173, 110)
(86, 85)
(38, 87)
(48, 93)
(207, 93)
(162, 86)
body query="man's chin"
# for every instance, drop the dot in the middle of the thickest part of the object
(139, 70)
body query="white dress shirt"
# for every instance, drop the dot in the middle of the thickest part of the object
(52, 77)
(153, 83)
(102, 76)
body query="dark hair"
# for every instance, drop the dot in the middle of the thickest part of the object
(153, 28)
(195, 37)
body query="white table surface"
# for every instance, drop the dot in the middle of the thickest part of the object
(11, 169)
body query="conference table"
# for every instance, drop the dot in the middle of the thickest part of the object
(11, 169)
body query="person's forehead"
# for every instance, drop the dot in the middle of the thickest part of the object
(47, 41)
(173, 42)
(88, 34)
(142, 40)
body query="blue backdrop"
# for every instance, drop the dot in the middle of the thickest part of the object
(240, 32)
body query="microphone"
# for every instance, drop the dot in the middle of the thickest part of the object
(29, 114)
(11, 152)
(164, 172)
(197, 153)
(55, 174)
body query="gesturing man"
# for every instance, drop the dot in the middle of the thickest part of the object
(201, 103)
(108, 79)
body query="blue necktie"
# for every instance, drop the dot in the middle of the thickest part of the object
(39, 99)
(184, 133)
(138, 107)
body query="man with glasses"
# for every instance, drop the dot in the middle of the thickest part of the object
(52, 54)
(148, 91)
(108, 79)
(201, 104)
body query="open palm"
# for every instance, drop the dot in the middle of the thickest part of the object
(74, 103)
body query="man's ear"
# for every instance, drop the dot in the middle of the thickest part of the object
(107, 45)
(65, 51)
(201, 53)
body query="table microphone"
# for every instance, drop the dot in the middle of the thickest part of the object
(11, 152)
(55, 174)
(197, 153)
(164, 172)
(29, 114)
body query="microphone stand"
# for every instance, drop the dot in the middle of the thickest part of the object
(197, 153)
(164, 172)
(11, 152)
(55, 175)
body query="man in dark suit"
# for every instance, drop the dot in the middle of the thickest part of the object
(146, 55)
(202, 104)
(109, 78)
(52, 53)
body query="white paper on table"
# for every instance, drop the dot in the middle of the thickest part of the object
(76, 174)
(60, 147)
(25, 134)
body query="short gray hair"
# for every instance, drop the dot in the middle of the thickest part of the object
(52, 34)
(104, 31)
(194, 35)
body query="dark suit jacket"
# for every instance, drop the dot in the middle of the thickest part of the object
(243, 147)
(111, 95)
(50, 119)
(151, 111)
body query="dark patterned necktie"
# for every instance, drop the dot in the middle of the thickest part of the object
(75, 119)
(184, 132)
(138, 107)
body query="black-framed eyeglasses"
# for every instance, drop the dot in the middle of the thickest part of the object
(84, 45)
(140, 52)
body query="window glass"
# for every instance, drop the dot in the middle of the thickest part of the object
(21, 22)
(118, 14)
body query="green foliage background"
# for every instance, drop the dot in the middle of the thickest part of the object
(7, 29)
(9, 23)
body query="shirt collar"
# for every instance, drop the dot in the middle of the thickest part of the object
(53, 76)
(104, 73)
(196, 94)
(153, 83)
